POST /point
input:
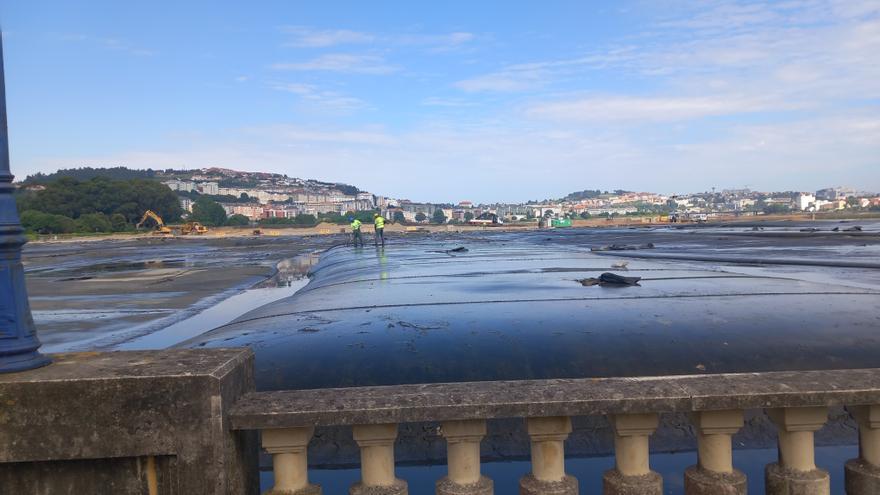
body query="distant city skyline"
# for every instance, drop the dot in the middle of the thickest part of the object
(488, 103)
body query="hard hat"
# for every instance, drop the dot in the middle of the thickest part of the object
(375, 214)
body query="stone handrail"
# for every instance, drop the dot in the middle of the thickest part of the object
(796, 402)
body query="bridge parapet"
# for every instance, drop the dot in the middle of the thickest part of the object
(797, 403)
(139, 422)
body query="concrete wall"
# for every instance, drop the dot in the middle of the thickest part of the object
(128, 423)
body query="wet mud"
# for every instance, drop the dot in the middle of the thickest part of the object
(102, 294)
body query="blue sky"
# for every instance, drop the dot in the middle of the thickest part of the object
(447, 101)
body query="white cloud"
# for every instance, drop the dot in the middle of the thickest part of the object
(290, 135)
(435, 101)
(341, 62)
(109, 44)
(508, 81)
(651, 109)
(320, 38)
(497, 162)
(311, 93)
(306, 37)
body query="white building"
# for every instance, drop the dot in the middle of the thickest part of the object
(211, 188)
(805, 201)
(179, 185)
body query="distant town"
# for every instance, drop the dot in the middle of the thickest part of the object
(119, 199)
(262, 195)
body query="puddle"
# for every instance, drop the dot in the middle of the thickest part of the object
(219, 314)
(290, 278)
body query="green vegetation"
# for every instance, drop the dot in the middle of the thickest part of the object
(98, 204)
(46, 223)
(468, 216)
(398, 217)
(421, 217)
(439, 217)
(237, 183)
(238, 220)
(208, 212)
(304, 220)
(581, 195)
(775, 208)
(87, 173)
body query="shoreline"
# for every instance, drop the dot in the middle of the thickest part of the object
(324, 229)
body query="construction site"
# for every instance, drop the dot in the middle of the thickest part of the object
(483, 306)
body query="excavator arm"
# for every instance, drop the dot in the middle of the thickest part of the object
(160, 225)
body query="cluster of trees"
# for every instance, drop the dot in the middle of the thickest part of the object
(98, 204)
(304, 220)
(86, 173)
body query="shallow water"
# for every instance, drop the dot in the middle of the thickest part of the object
(220, 314)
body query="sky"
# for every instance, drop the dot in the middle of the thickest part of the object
(455, 100)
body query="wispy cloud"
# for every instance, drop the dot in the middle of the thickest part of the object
(291, 134)
(506, 81)
(653, 109)
(320, 38)
(109, 44)
(341, 62)
(308, 37)
(313, 94)
(436, 101)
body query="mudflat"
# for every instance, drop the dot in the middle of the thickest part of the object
(97, 294)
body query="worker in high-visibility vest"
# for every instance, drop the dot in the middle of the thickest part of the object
(379, 223)
(356, 232)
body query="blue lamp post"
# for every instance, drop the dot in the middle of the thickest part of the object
(18, 337)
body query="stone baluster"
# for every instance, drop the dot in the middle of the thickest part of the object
(377, 461)
(714, 473)
(548, 458)
(288, 447)
(863, 474)
(796, 472)
(463, 457)
(632, 473)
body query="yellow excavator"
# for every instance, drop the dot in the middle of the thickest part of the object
(161, 228)
(193, 228)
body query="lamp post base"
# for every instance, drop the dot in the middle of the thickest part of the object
(22, 362)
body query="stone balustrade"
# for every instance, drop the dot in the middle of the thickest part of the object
(796, 402)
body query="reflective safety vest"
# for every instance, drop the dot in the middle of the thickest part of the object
(380, 222)
(356, 225)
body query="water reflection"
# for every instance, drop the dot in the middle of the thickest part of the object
(290, 277)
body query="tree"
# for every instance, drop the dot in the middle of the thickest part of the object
(86, 173)
(46, 223)
(439, 216)
(468, 216)
(238, 220)
(93, 222)
(130, 198)
(118, 222)
(335, 217)
(306, 219)
(398, 217)
(276, 221)
(208, 212)
(420, 217)
(776, 208)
